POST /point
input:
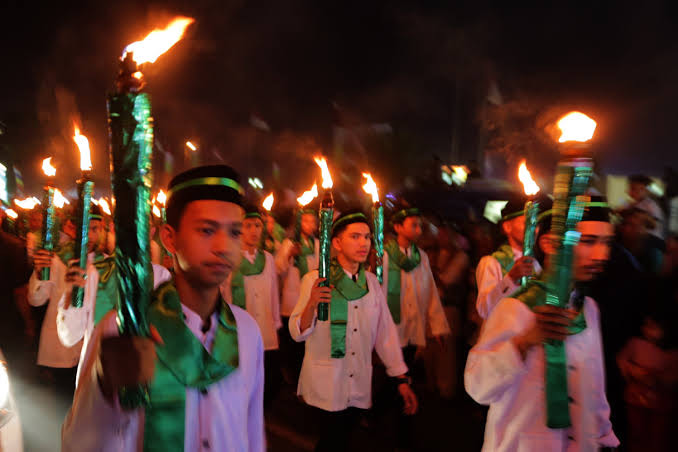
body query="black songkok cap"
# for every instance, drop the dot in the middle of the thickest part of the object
(349, 217)
(596, 208)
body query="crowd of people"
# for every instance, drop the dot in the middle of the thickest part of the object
(240, 315)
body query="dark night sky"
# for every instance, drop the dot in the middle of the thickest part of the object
(401, 63)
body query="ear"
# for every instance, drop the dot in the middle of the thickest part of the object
(506, 227)
(398, 227)
(168, 238)
(336, 243)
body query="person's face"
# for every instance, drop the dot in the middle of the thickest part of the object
(652, 331)
(354, 242)
(95, 235)
(309, 224)
(637, 191)
(270, 223)
(411, 228)
(515, 229)
(592, 250)
(251, 231)
(206, 242)
(634, 227)
(69, 229)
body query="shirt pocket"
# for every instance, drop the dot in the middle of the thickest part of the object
(324, 380)
(539, 442)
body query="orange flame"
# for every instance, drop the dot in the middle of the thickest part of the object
(158, 41)
(162, 197)
(370, 187)
(104, 206)
(576, 126)
(83, 146)
(268, 202)
(529, 185)
(59, 199)
(12, 214)
(191, 146)
(27, 203)
(156, 211)
(47, 167)
(308, 196)
(327, 177)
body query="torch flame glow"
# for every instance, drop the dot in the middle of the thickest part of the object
(59, 199)
(529, 185)
(158, 41)
(12, 214)
(156, 211)
(576, 126)
(327, 177)
(308, 196)
(104, 206)
(162, 197)
(268, 202)
(94, 201)
(191, 146)
(27, 203)
(83, 146)
(47, 167)
(370, 187)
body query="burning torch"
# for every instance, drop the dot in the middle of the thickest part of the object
(326, 216)
(48, 216)
(531, 212)
(85, 190)
(378, 219)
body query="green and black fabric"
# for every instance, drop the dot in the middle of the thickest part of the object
(246, 268)
(397, 260)
(182, 362)
(504, 255)
(66, 251)
(555, 374)
(307, 249)
(107, 297)
(345, 290)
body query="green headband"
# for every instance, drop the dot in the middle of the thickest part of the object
(307, 210)
(402, 214)
(513, 215)
(597, 204)
(95, 217)
(343, 220)
(253, 215)
(216, 181)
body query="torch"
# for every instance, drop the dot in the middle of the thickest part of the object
(12, 215)
(303, 201)
(531, 212)
(326, 216)
(162, 200)
(48, 214)
(571, 181)
(267, 204)
(131, 134)
(378, 218)
(85, 189)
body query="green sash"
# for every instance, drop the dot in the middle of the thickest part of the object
(182, 362)
(504, 256)
(238, 278)
(397, 260)
(307, 248)
(345, 290)
(107, 290)
(557, 403)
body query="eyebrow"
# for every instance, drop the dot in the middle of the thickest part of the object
(216, 224)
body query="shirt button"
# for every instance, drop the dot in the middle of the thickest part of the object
(570, 399)
(353, 353)
(570, 437)
(203, 391)
(205, 444)
(356, 307)
(351, 376)
(355, 330)
(571, 367)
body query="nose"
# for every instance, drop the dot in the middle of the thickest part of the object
(220, 243)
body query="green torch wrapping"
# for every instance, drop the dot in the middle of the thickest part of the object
(531, 212)
(378, 219)
(47, 227)
(131, 134)
(326, 216)
(85, 190)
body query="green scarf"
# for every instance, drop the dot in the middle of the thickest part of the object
(107, 290)
(238, 278)
(557, 404)
(182, 362)
(345, 290)
(397, 260)
(504, 256)
(307, 248)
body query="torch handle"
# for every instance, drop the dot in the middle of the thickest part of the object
(531, 212)
(324, 259)
(378, 218)
(85, 189)
(47, 228)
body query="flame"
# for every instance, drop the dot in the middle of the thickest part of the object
(138, 75)
(12, 214)
(162, 197)
(47, 167)
(370, 187)
(156, 211)
(191, 146)
(529, 185)
(59, 199)
(94, 201)
(104, 206)
(83, 146)
(576, 126)
(27, 203)
(268, 202)
(158, 41)
(308, 196)
(327, 177)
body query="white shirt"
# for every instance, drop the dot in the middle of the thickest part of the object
(420, 304)
(230, 417)
(51, 352)
(262, 299)
(497, 376)
(335, 384)
(492, 285)
(290, 274)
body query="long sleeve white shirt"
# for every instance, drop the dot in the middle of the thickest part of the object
(262, 299)
(492, 285)
(420, 304)
(497, 376)
(228, 417)
(289, 274)
(51, 352)
(334, 384)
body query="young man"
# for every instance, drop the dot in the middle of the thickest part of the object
(498, 275)
(253, 286)
(506, 368)
(204, 365)
(275, 234)
(336, 375)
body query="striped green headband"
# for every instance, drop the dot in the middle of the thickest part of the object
(351, 218)
(254, 215)
(402, 214)
(214, 181)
